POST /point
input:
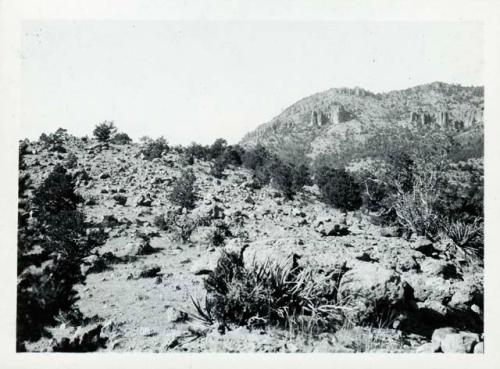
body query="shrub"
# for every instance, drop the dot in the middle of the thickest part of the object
(219, 234)
(416, 212)
(182, 226)
(152, 149)
(270, 293)
(184, 191)
(338, 188)
(103, 131)
(71, 161)
(466, 236)
(121, 139)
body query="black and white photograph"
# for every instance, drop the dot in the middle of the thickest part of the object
(251, 186)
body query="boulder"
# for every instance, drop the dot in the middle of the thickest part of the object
(426, 348)
(423, 245)
(205, 265)
(439, 334)
(438, 268)
(462, 342)
(389, 232)
(479, 348)
(369, 288)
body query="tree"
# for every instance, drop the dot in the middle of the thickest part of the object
(51, 245)
(103, 131)
(218, 148)
(153, 149)
(121, 139)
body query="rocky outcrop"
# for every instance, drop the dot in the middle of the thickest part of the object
(337, 114)
(443, 119)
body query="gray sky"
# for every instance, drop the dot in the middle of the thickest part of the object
(196, 81)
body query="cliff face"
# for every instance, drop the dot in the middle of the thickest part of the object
(315, 120)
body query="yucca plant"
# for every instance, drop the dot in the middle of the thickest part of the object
(272, 293)
(467, 237)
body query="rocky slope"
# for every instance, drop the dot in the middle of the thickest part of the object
(141, 298)
(317, 120)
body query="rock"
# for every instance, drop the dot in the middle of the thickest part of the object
(298, 213)
(426, 348)
(250, 200)
(149, 271)
(368, 287)
(148, 332)
(120, 199)
(462, 342)
(85, 339)
(109, 221)
(439, 334)
(92, 264)
(138, 248)
(389, 232)
(90, 201)
(104, 175)
(330, 227)
(479, 348)
(439, 268)
(205, 265)
(364, 256)
(144, 200)
(173, 315)
(423, 245)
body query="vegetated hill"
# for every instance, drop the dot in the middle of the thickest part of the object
(316, 121)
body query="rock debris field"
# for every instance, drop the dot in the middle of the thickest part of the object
(140, 284)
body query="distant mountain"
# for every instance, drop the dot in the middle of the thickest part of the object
(315, 121)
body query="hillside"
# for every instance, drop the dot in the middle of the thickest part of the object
(398, 293)
(315, 122)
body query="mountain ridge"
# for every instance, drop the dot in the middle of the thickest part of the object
(315, 120)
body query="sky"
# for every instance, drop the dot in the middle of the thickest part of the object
(200, 80)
